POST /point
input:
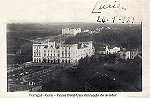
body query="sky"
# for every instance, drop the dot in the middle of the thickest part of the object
(64, 10)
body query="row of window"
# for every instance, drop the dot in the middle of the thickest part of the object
(51, 61)
(64, 54)
(36, 47)
(58, 55)
(37, 60)
(37, 54)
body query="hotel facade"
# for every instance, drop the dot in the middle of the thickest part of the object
(57, 52)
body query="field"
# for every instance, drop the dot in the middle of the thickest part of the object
(98, 78)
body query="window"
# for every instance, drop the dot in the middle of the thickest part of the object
(69, 54)
(34, 54)
(34, 60)
(69, 61)
(66, 61)
(44, 54)
(39, 60)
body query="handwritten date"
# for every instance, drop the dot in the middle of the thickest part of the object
(115, 19)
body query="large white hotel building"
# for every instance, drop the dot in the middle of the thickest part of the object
(57, 52)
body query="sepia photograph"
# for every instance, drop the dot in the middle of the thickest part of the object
(74, 48)
(74, 57)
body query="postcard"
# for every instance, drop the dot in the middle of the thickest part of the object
(74, 48)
